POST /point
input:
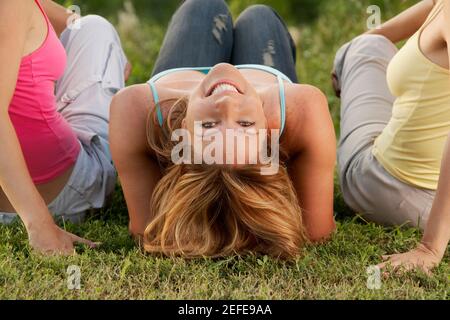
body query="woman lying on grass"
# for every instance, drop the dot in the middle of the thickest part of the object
(394, 132)
(217, 209)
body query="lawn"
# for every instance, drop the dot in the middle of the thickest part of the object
(119, 270)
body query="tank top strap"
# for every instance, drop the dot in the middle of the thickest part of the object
(42, 11)
(156, 100)
(158, 76)
(280, 78)
(282, 95)
(433, 13)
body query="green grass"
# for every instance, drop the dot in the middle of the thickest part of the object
(119, 270)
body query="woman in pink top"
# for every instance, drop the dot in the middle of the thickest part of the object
(54, 113)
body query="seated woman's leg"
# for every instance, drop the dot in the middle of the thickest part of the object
(261, 37)
(94, 73)
(366, 108)
(200, 34)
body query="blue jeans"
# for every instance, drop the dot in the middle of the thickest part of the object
(201, 34)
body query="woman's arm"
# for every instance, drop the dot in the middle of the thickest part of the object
(433, 246)
(311, 141)
(15, 180)
(58, 15)
(138, 171)
(437, 233)
(406, 23)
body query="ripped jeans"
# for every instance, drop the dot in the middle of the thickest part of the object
(201, 34)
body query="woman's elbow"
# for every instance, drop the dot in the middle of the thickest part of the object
(323, 234)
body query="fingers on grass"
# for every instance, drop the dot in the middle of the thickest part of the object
(382, 265)
(58, 252)
(390, 267)
(89, 243)
(385, 257)
(425, 269)
(387, 260)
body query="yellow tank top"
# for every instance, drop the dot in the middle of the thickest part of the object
(411, 146)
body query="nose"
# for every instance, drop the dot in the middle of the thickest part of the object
(227, 103)
(227, 107)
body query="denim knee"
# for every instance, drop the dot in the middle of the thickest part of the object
(199, 5)
(258, 12)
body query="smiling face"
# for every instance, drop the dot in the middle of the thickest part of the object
(225, 100)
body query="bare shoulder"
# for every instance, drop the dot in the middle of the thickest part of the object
(25, 7)
(132, 100)
(303, 104)
(302, 98)
(128, 118)
(138, 93)
(446, 23)
(15, 17)
(307, 113)
(18, 11)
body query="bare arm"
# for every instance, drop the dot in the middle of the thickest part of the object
(430, 251)
(437, 233)
(138, 170)
(312, 141)
(58, 15)
(15, 180)
(404, 25)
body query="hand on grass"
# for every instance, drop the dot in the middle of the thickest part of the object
(52, 240)
(421, 258)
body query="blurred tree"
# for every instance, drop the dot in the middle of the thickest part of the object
(293, 11)
(158, 11)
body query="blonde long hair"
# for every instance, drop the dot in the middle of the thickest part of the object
(216, 211)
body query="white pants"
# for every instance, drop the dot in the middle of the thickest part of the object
(366, 109)
(94, 73)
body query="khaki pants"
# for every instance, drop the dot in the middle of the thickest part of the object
(366, 109)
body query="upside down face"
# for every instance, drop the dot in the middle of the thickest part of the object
(225, 103)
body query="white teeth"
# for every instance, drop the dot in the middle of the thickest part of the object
(224, 87)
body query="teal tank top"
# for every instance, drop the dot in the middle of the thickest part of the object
(280, 76)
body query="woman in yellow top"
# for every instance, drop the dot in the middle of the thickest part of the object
(395, 123)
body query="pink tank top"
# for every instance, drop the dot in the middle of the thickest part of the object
(49, 145)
